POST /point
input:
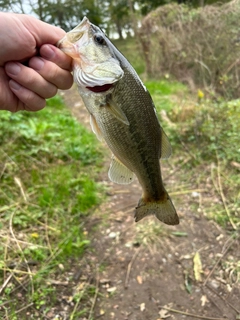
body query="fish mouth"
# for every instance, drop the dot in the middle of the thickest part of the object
(67, 46)
(103, 88)
(67, 43)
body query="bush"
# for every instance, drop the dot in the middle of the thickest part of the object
(200, 47)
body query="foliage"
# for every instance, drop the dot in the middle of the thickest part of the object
(132, 50)
(204, 134)
(119, 18)
(48, 172)
(199, 47)
(63, 13)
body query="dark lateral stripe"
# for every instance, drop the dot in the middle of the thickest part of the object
(103, 88)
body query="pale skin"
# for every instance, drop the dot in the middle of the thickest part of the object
(32, 68)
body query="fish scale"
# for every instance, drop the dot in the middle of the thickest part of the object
(123, 114)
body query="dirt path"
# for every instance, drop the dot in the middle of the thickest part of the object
(141, 269)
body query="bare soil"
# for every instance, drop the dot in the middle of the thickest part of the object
(146, 270)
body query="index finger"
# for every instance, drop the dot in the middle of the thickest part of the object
(52, 53)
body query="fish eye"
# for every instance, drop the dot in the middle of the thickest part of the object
(99, 39)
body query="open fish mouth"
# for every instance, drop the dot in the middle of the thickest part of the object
(67, 43)
(103, 88)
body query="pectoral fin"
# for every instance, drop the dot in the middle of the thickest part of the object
(116, 110)
(119, 173)
(166, 149)
(95, 127)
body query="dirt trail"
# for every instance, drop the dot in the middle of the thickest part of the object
(138, 271)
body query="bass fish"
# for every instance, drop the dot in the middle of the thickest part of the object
(123, 114)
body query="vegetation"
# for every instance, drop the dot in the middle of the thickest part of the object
(116, 16)
(49, 165)
(199, 47)
(204, 135)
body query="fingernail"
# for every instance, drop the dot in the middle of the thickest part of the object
(12, 68)
(47, 52)
(14, 85)
(36, 63)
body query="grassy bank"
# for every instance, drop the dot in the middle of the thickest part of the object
(49, 165)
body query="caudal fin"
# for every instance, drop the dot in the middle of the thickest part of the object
(163, 210)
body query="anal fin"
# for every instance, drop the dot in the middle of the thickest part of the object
(119, 173)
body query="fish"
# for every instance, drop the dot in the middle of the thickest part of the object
(122, 113)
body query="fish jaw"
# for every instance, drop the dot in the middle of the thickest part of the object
(68, 43)
(93, 65)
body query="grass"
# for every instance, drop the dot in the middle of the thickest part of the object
(132, 51)
(48, 172)
(204, 131)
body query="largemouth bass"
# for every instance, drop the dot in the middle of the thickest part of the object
(123, 114)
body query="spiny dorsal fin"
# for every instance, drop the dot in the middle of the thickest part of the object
(119, 173)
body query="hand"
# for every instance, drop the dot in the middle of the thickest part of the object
(26, 39)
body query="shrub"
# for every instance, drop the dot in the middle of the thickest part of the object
(200, 46)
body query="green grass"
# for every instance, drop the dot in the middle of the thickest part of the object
(48, 172)
(163, 93)
(206, 131)
(131, 49)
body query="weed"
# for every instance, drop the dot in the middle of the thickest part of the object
(205, 131)
(49, 163)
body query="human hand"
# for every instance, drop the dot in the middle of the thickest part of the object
(26, 39)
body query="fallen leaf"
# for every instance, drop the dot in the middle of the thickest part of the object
(104, 281)
(197, 267)
(139, 279)
(204, 300)
(102, 312)
(112, 289)
(164, 314)
(142, 306)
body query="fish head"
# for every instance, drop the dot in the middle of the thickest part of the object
(94, 62)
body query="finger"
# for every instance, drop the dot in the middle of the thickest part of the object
(30, 79)
(52, 53)
(51, 72)
(28, 100)
(8, 101)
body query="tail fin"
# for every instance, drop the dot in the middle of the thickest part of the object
(163, 210)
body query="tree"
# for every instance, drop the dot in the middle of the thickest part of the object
(119, 18)
(63, 13)
(14, 6)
